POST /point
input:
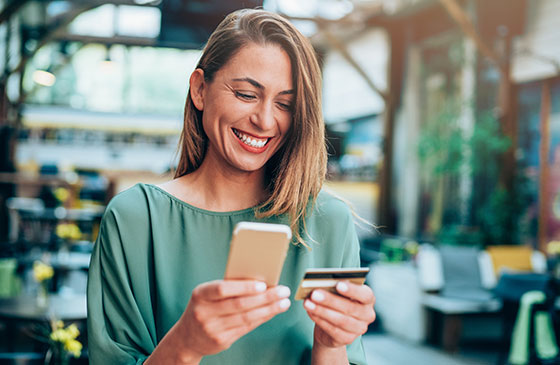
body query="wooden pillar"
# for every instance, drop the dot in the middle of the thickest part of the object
(507, 117)
(386, 215)
(544, 148)
(506, 93)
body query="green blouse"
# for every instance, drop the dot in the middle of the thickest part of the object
(154, 249)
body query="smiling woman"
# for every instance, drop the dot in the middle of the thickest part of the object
(274, 51)
(248, 112)
(252, 149)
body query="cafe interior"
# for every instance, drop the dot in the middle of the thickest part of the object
(443, 131)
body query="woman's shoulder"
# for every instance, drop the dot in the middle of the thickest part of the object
(331, 207)
(130, 198)
(132, 203)
(331, 225)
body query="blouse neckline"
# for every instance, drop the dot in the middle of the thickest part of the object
(197, 209)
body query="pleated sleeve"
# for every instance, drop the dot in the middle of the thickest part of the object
(121, 327)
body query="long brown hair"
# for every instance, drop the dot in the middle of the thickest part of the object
(296, 172)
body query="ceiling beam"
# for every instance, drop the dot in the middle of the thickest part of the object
(462, 19)
(337, 44)
(334, 42)
(59, 23)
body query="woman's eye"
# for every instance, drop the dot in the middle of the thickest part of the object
(244, 96)
(284, 106)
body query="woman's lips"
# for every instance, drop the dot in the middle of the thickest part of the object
(251, 143)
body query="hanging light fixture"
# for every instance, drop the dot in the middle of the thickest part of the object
(44, 78)
(107, 65)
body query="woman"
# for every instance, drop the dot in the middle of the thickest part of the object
(252, 150)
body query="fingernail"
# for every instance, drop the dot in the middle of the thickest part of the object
(342, 287)
(309, 305)
(317, 296)
(260, 286)
(282, 291)
(284, 303)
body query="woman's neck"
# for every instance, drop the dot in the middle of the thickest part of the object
(218, 189)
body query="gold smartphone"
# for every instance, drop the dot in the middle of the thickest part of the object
(257, 251)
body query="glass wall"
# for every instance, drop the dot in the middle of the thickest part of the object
(530, 164)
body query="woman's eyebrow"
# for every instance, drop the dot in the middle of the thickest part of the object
(253, 82)
(260, 86)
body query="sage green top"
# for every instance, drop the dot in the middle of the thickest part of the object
(154, 249)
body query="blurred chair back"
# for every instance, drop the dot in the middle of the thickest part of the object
(516, 258)
(10, 284)
(430, 271)
(16, 206)
(462, 274)
(455, 271)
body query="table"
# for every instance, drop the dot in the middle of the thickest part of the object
(58, 260)
(70, 261)
(25, 308)
(62, 263)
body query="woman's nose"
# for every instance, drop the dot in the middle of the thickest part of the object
(263, 117)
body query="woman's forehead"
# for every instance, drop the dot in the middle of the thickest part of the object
(268, 65)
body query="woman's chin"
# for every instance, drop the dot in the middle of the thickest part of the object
(248, 166)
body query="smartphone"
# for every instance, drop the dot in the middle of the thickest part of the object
(257, 251)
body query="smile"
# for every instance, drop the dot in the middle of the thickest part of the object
(251, 141)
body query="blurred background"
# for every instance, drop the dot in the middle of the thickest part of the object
(443, 124)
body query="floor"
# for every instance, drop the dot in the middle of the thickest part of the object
(382, 349)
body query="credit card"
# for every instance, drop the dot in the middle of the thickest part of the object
(327, 278)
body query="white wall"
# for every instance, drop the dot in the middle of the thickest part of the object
(541, 40)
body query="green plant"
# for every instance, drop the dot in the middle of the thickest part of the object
(447, 151)
(444, 148)
(442, 142)
(500, 215)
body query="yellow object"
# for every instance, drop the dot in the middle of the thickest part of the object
(68, 231)
(61, 194)
(553, 248)
(74, 347)
(67, 336)
(42, 271)
(516, 258)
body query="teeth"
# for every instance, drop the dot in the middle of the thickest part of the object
(253, 142)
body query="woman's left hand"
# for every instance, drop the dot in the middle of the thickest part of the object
(340, 319)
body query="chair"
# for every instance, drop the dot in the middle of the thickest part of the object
(511, 288)
(453, 280)
(17, 206)
(516, 258)
(547, 309)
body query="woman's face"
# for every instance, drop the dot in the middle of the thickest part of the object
(247, 107)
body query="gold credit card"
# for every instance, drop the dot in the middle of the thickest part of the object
(327, 278)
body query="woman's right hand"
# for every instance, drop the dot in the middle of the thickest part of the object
(222, 311)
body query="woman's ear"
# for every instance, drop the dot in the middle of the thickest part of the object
(197, 84)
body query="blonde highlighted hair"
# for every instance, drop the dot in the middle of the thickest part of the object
(296, 172)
